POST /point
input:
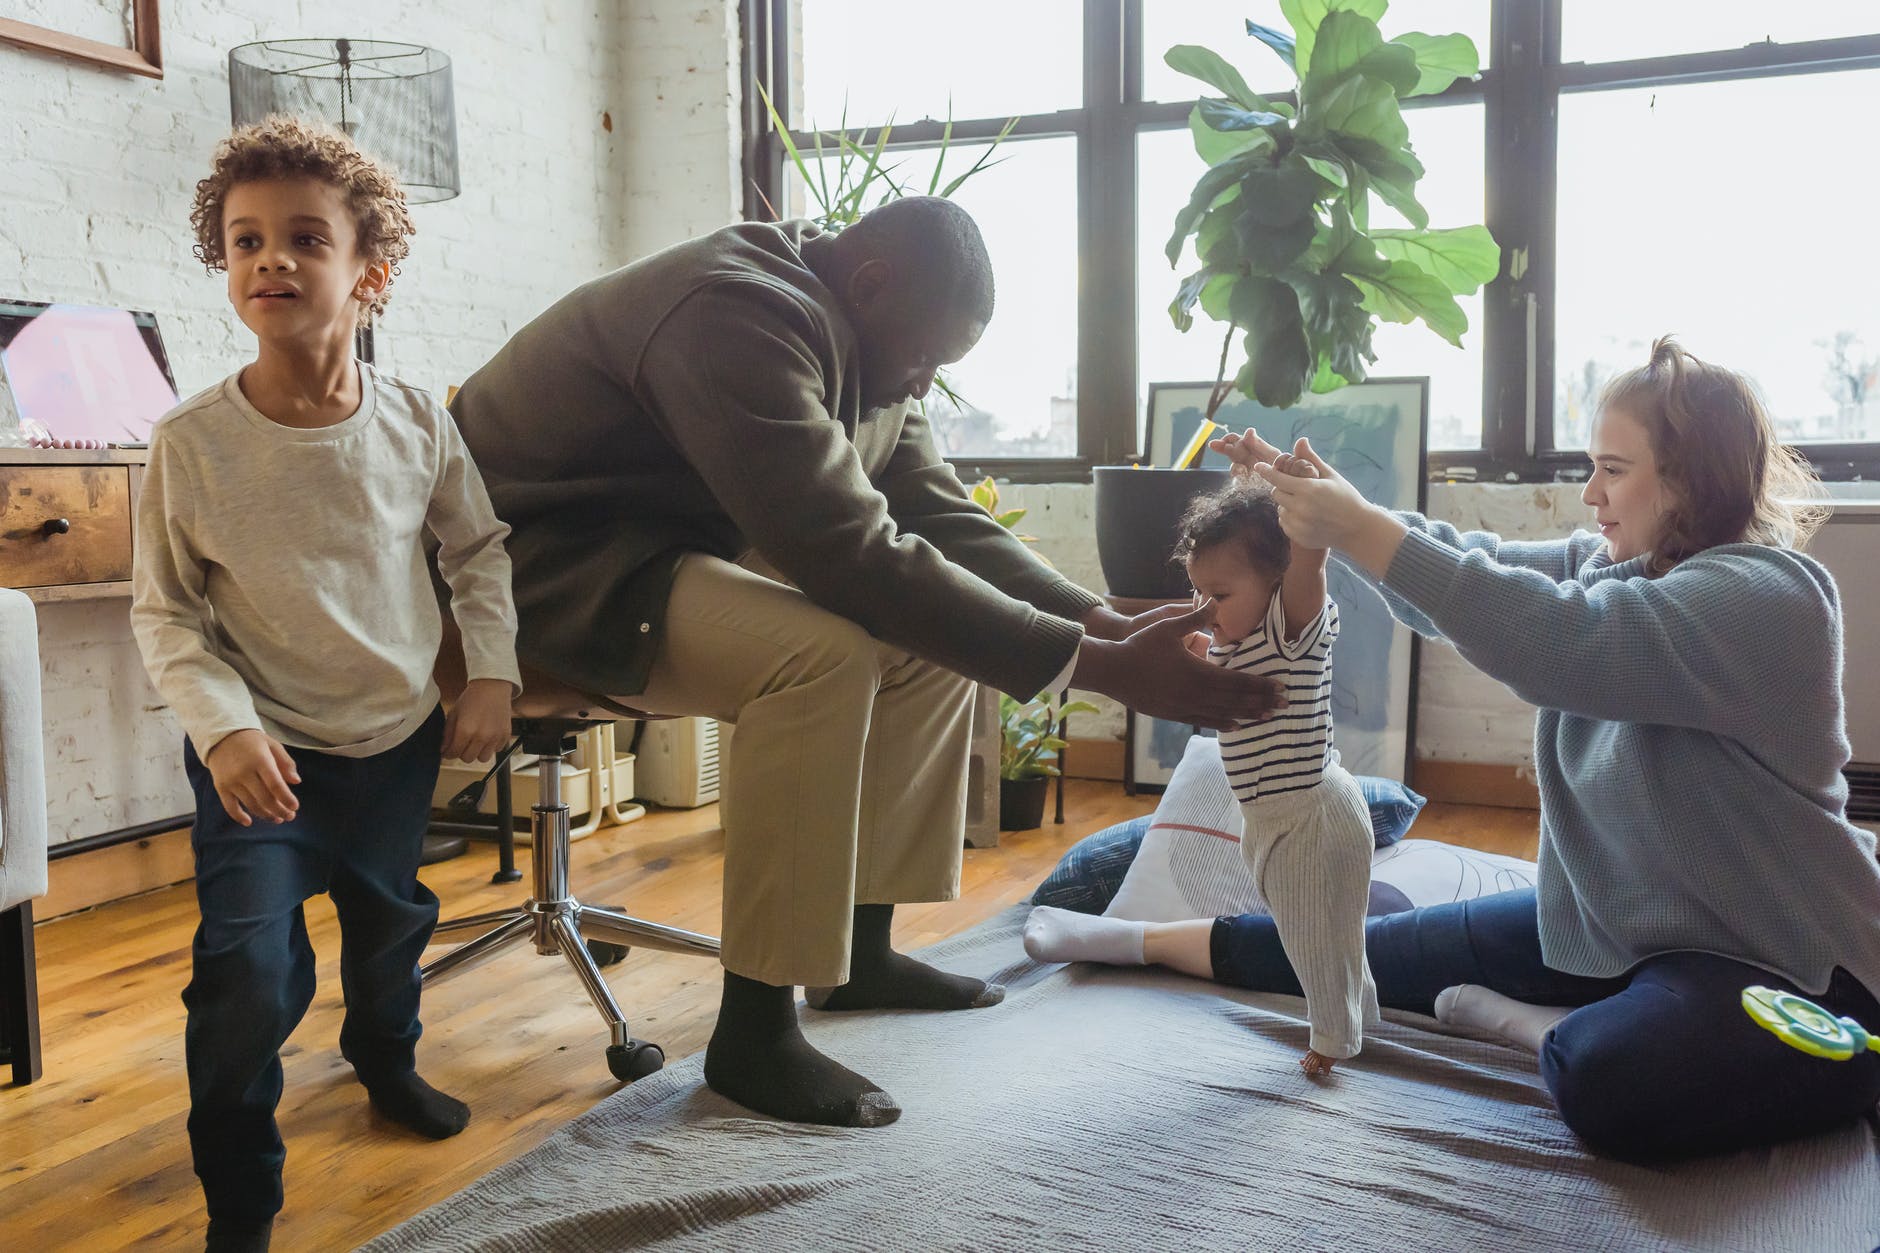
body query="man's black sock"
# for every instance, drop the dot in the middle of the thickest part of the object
(880, 978)
(759, 1058)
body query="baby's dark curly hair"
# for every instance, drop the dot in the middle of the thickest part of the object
(290, 147)
(1242, 513)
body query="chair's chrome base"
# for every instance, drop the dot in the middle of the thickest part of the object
(589, 936)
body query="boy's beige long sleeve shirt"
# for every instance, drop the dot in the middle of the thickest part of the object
(280, 580)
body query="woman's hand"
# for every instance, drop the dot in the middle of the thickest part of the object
(1246, 451)
(1323, 511)
(1319, 510)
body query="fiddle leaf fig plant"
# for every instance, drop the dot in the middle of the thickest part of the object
(1281, 218)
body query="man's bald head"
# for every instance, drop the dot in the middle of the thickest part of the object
(934, 246)
(915, 280)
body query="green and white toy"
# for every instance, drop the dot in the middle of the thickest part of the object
(1802, 1024)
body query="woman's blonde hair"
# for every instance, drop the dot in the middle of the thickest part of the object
(1731, 479)
(290, 147)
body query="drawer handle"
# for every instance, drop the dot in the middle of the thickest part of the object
(55, 526)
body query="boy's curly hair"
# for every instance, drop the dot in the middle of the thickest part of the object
(290, 147)
(1244, 513)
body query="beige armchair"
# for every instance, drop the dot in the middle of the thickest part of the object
(22, 833)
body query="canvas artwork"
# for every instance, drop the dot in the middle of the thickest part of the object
(1373, 433)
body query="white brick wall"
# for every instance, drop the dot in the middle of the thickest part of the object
(97, 170)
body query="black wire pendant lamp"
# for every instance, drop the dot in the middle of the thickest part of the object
(395, 100)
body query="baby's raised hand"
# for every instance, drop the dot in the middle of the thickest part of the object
(1297, 462)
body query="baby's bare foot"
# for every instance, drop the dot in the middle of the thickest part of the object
(1317, 1065)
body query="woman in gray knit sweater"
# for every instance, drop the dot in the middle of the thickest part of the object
(1694, 840)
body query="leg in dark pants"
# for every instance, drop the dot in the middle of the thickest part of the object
(385, 915)
(1491, 940)
(251, 983)
(1658, 1064)
(1672, 1067)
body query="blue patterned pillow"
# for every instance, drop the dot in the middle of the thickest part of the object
(1393, 808)
(1091, 872)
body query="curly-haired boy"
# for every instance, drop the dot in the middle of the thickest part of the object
(284, 609)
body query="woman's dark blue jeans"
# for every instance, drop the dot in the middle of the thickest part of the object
(1656, 1064)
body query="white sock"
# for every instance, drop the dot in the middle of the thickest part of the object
(1062, 935)
(1471, 1005)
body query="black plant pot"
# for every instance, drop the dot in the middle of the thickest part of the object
(1138, 513)
(1021, 803)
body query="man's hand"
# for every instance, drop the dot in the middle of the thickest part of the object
(1105, 623)
(252, 772)
(1153, 672)
(478, 725)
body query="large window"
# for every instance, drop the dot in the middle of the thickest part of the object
(1687, 166)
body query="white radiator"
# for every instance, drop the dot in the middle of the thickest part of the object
(678, 762)
(1849, 545)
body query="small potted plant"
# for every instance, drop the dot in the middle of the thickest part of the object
(1028, 756)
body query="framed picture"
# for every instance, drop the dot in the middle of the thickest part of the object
(1375, 434)
(143, 55)
(1152, 748)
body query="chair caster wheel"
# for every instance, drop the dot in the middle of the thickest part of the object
(607, 953)
(635, 1059)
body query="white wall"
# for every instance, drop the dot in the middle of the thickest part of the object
(97, 171)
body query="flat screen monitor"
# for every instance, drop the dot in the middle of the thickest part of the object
(84, 372)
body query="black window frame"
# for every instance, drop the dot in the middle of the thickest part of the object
(1520, 93)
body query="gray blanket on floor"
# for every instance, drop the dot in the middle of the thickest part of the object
(1138, 1110)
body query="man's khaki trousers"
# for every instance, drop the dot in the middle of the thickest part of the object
(846, 778)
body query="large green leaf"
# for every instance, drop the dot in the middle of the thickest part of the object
(1214, 241)
(1272, 248)
(1217, 297)
(1278, 196)
(1279, 362)
(1326, 379)
(1216, 146)
(1225, 115)
(1441, 60)
(1403, 199)
(1208, 188)
(1278, 40)
(1325, 300)
(1405, 293)
(1359, 258)
(1348, 44)
(1325, 161)
(1275, 220)
(1306, 16)
(1361, 107)
(1209, 66)
(1463, 258)
(1392, 171)
(1181, 309)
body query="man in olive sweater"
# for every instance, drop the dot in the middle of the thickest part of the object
(722, 504)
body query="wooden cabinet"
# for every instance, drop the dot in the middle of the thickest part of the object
(66, 521)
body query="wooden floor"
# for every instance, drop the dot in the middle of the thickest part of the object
(94, 1156)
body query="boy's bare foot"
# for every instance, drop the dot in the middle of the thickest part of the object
(1317, 1065)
